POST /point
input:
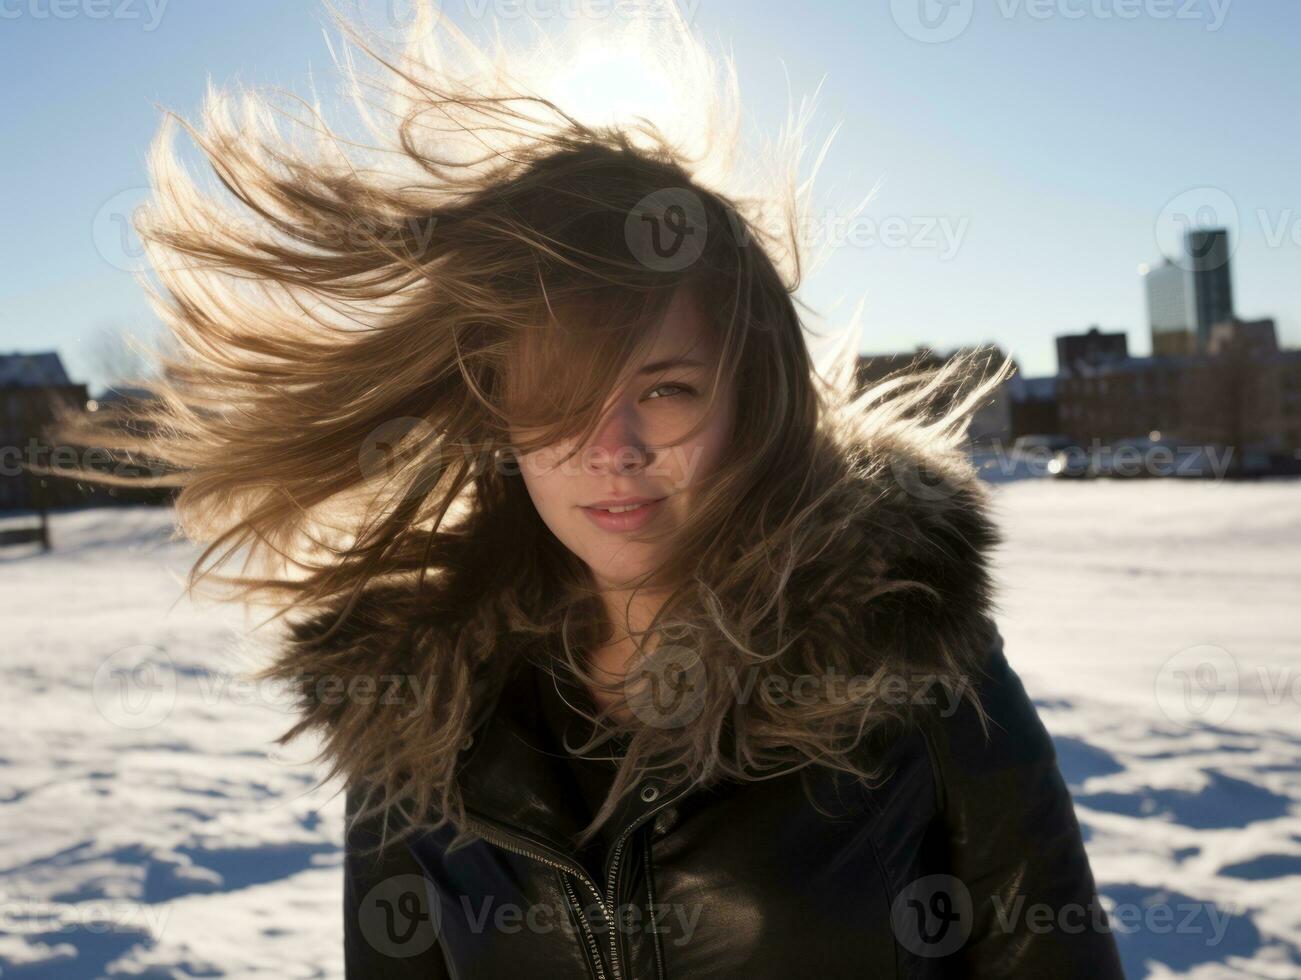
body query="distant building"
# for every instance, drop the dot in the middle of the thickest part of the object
(1208, 257)
(1185, 299)
(43, 370)
(1246, 396)
(32, 389)
(1125, 398)
(872, 368)
(1170, 309)
(1255, 336)
(1081, 352)
(1034, 406)
(1272, 404)
(990, 422)
(34, 392)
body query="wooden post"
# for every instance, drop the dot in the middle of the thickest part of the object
(42, 508)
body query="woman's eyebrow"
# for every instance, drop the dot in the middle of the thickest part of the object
(657, 366)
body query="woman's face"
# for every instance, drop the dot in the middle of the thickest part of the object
(637, 455)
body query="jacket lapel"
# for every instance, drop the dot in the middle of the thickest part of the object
(510, 779)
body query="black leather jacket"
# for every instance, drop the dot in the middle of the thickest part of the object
(966, 862)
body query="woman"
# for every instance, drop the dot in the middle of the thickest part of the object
(643, 647)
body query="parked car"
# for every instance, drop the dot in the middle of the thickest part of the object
(1071, 463)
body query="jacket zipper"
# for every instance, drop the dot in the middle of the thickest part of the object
(611, 881)
(608, 909)
(613, 877)
(493, 837)
(593, 951)
(650, 909)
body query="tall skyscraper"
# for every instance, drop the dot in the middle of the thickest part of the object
(1185, 299)
(1169, 290)
(1208, 258)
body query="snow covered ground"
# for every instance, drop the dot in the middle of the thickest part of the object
(149, 829)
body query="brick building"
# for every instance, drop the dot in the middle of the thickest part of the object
(1245, 394)
(32, 388)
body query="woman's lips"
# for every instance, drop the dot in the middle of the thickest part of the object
(626, 520)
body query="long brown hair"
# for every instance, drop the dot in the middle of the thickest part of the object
(354, 343)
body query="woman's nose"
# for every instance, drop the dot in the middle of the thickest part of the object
(619, 445)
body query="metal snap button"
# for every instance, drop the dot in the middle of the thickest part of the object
(649, 793)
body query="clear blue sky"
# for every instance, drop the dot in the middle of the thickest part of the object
(1048, 136)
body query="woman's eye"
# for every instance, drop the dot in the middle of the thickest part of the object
(672, 389)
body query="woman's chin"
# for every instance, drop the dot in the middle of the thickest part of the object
(619, 572)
